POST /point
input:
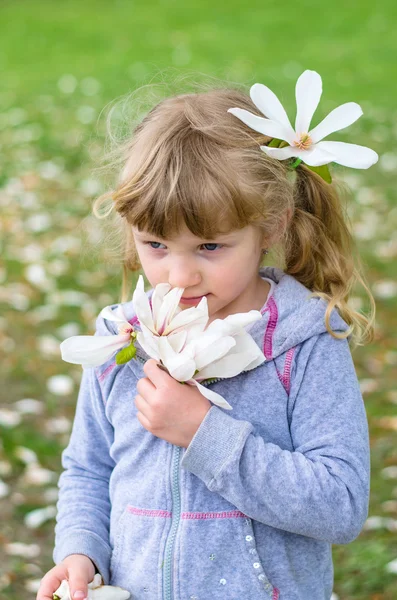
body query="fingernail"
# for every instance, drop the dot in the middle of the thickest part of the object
(79, 595)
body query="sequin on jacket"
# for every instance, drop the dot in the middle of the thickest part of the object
(250, 509)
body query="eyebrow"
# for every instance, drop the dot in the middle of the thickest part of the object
(223, 236)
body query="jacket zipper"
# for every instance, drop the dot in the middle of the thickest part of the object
(168, 561)
(176, 515)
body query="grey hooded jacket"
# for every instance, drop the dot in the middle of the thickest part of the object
(250, 509)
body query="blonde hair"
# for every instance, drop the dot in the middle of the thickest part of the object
(190, 162)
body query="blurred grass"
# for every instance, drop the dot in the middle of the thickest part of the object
(61, 64)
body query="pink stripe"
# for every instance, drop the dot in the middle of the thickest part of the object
(287, 369)
(276, 594)
(230, 514)
(145, 512)
(106, 371)
(134, 320)
(271, 306)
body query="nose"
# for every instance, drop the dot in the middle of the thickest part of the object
(183, 274)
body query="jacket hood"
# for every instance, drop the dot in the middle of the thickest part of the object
(290, 316)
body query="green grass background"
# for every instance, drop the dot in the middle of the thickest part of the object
(61, 64)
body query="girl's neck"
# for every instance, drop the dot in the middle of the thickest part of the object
(254, 302)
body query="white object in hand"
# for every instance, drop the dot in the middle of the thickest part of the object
(96, 591)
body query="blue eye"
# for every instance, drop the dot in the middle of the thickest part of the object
(155, 247)
(211, 249)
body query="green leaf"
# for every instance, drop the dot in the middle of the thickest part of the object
(274, 143)
(55, 597)
(323, 171)
(125, 354)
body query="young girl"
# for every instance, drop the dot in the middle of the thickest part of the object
(163, 493)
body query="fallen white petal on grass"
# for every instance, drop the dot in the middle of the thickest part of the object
(367, 386)
(385, 289)
(68, 330)
(36, 518)
(375, 522)
(35, 474)
(60, 385)
(67, 298)
(9, 418)
(37, 276)
(29, 406)
(50, 495)
(4, 489)
(26, 455)
(391, 567)
(58, 425)
(21, 549)
(32, 585)
(390, 506)
(48, 345)
(38, 223)
(389, 472)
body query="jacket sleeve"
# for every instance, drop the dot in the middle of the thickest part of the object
(321, 489)
(84, 506)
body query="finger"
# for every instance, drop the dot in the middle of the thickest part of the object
(49, 584)
(141, 404)
(145, 387)
(143, 421)
(156, 375)
(78, 585)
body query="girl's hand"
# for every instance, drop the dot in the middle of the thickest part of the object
(168, 409)
(77, 569)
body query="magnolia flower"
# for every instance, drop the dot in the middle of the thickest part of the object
(92, 351)
(305, 143)
(96, 591)
(179, 339)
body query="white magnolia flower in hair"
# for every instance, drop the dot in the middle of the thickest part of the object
(302, 142)
(180, 340)
(96, 591)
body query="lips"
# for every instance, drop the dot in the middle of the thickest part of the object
(191, 299)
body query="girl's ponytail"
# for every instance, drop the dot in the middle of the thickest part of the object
(320, 253)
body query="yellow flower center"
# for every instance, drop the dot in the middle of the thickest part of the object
(303, 142)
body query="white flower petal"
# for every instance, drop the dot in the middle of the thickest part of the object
(350, 155)
(338, 119)
(159, 292)
(233, 324)
(268, 127)
(308, 93)
(177, 340)
(168, 309)
(196, 316)
(268, 103)
(212, 396)
(181, 366)
(213, 351)
(244, 356)
(91, 351)
(142, 306)
(313, 157)
(149, 344)
(280, 153)
(117, 316)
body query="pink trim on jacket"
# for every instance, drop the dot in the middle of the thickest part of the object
(145, 512)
